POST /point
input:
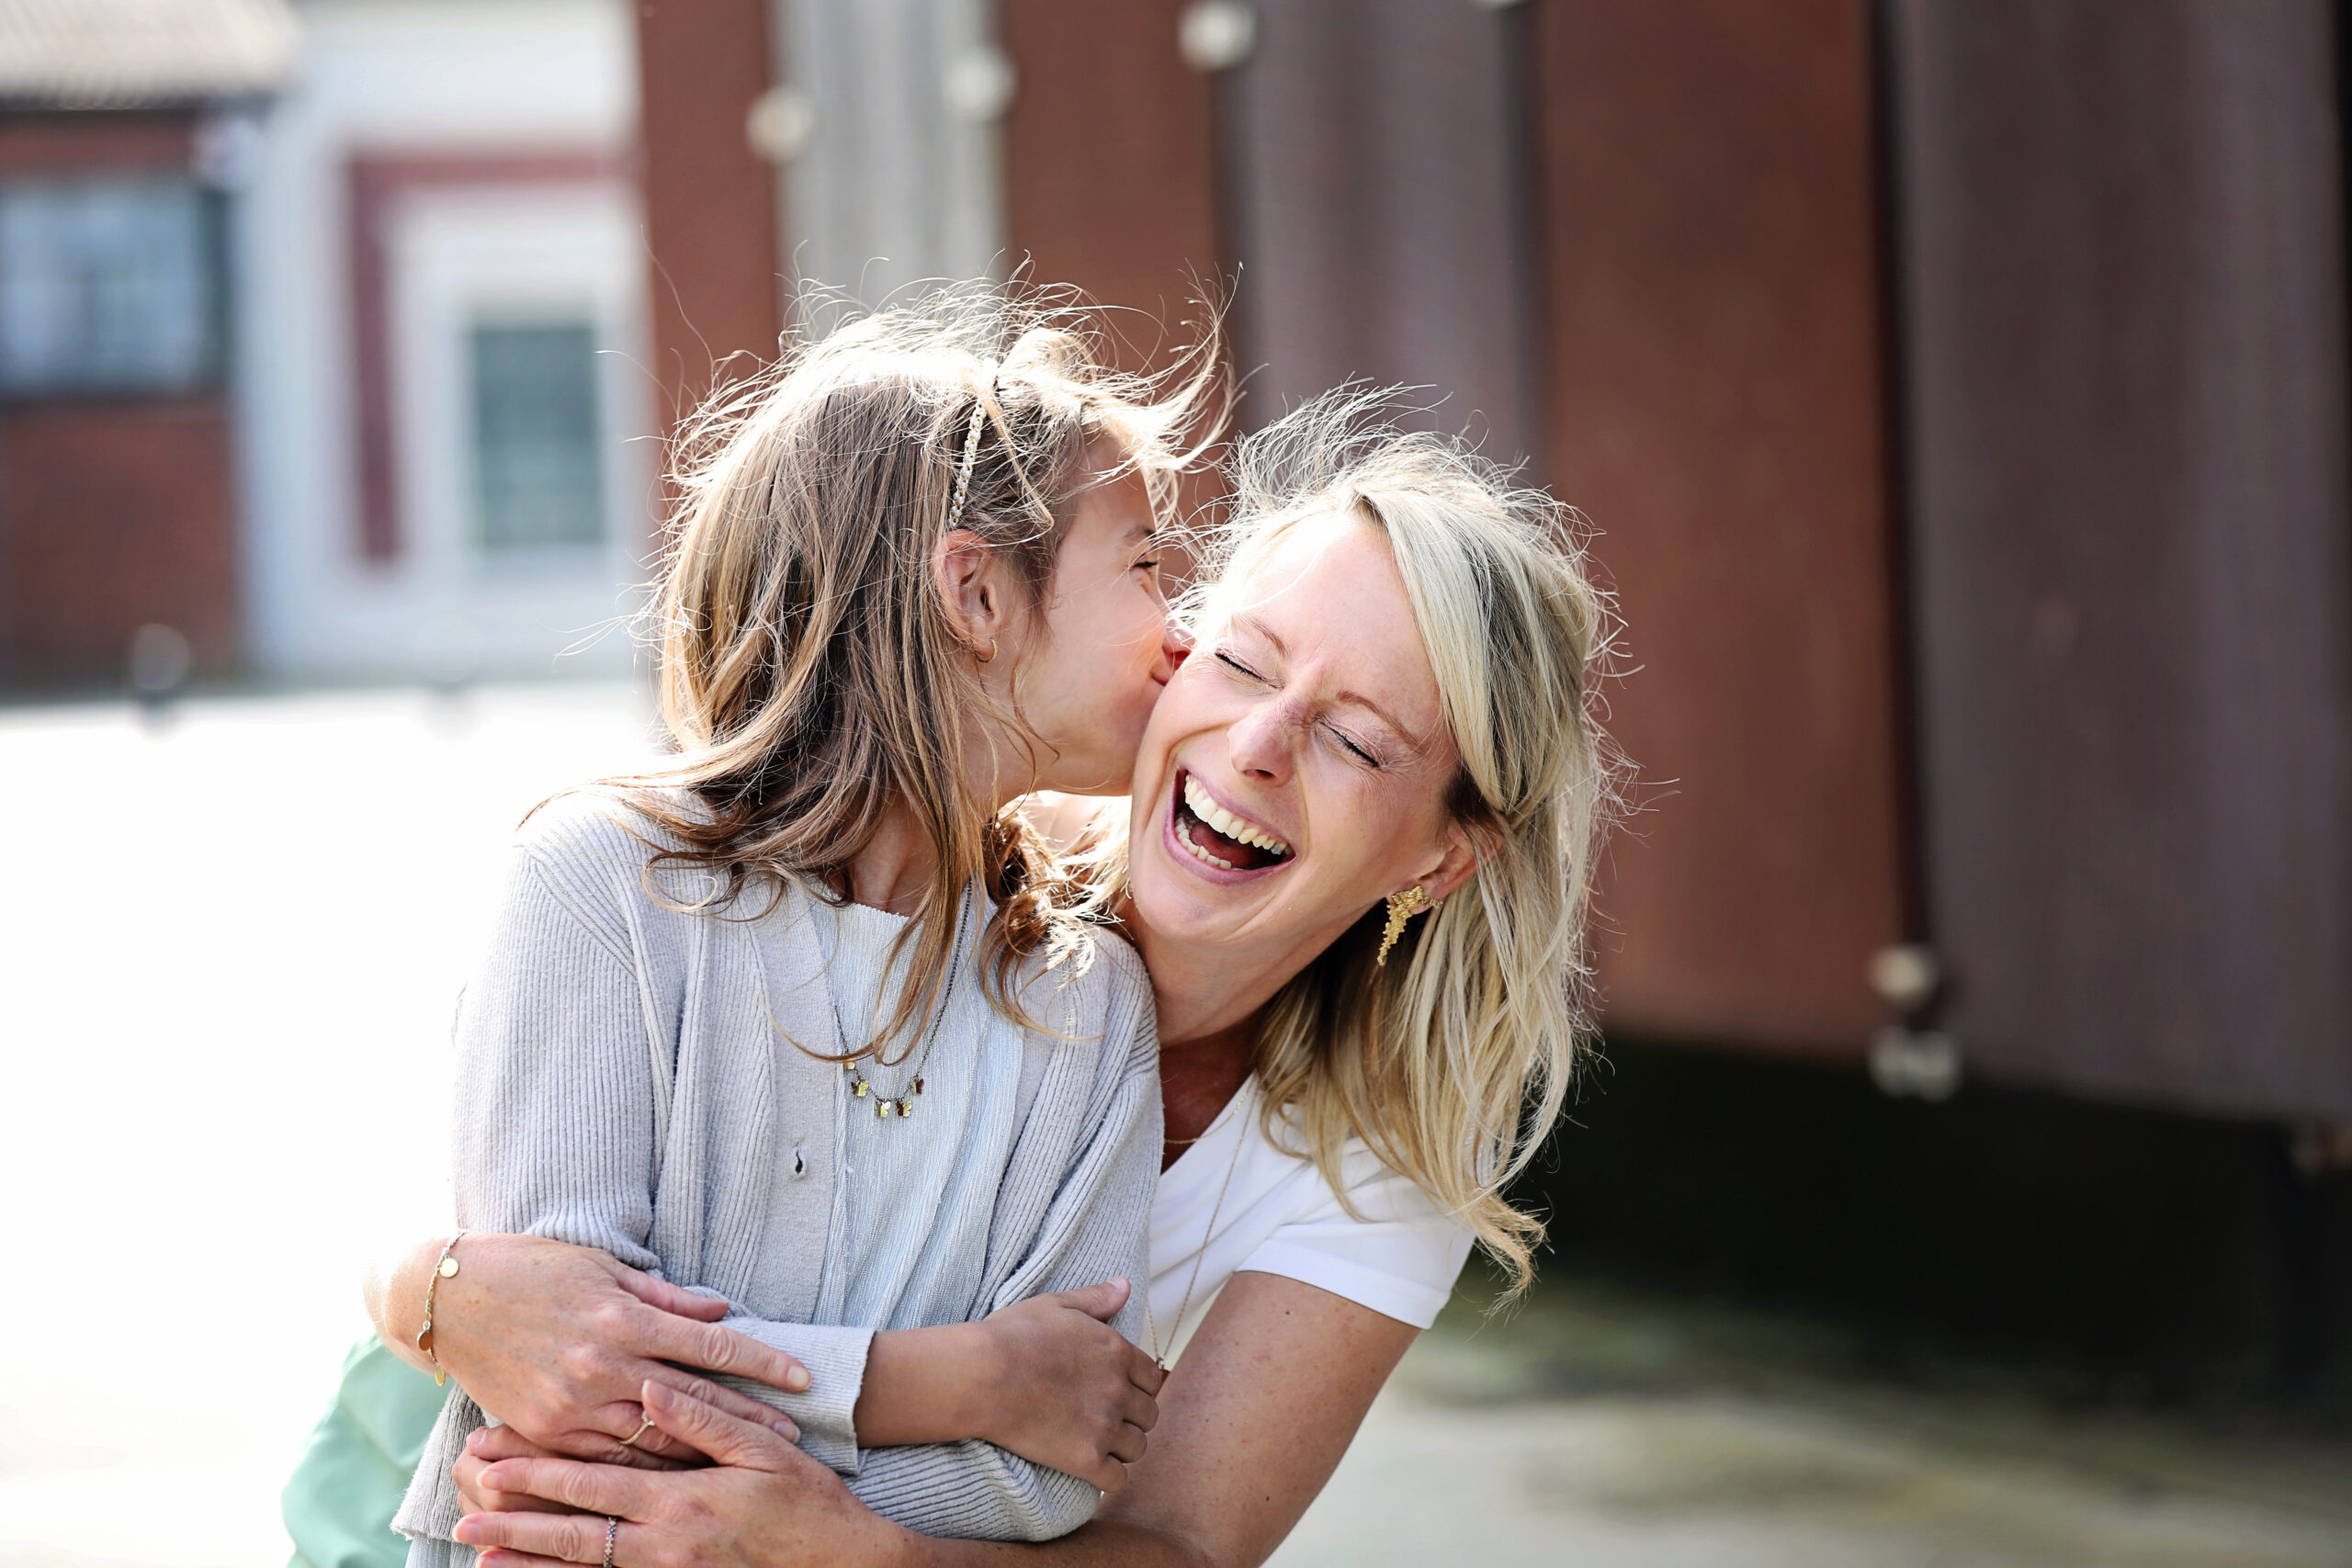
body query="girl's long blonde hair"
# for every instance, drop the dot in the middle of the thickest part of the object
(809, 675)
(1451, 1061)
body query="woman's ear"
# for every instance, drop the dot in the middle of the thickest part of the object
(1460, 860)
(970, 578)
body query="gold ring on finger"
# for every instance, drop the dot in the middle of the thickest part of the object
(631, 1441)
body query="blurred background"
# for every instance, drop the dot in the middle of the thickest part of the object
(1958, 390)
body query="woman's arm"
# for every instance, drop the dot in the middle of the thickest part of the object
(557, 1338)
(1270, 1391)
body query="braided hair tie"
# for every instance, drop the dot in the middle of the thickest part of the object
(971, 453)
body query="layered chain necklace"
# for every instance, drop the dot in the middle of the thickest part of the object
(902, 1104)
(1157, 1355)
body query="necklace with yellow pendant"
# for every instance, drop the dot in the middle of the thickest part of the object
(902, 1104)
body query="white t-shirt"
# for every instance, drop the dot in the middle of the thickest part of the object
(1281, 1217)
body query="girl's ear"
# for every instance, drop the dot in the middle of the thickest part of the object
(970, 578)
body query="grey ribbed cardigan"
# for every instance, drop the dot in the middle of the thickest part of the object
(627, 1081)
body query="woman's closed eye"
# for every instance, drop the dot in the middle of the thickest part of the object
(1357, 752)
(1237, 666)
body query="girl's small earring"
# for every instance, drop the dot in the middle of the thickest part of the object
(987, 658)
(1403, 905)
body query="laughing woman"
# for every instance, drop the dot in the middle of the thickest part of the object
(1356, 866)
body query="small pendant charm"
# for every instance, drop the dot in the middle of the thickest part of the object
(857, 1089)
(918, 1086)
(881, 1109)
(906, 1108)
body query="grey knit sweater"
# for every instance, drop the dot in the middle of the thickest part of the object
(629, 1080)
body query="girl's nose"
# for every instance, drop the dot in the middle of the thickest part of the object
(1175, 647)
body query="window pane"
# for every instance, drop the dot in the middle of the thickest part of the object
(535, 436)
(104, 285)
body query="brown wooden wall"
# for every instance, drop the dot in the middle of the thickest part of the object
(1110, 176)
(711, 203)
(2126, 282)
(1715, 405)
(1375, 170)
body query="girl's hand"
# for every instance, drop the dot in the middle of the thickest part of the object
(555, 1340)
(1047, 1378)
(1065, 1389)
(765, 1505)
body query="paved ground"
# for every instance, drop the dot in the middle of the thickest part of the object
(229, 963)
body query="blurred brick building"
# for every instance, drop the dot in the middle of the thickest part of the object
(118, 125)
(322, 331)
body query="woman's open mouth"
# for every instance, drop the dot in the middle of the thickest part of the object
(1219, 838)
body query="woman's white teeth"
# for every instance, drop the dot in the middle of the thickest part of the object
(1227, 823)
(1200, 854)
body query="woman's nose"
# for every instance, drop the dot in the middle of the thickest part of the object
(1259, 743)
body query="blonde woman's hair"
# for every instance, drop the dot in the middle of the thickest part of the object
(809, 675)
(1451, 1062)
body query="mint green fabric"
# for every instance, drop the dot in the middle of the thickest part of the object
(340, 1503)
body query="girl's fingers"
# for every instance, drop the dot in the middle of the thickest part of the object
(664, 1336)
(716, 1433)
(1139, 1410)
(1144, 1372)
(670, 1298)
(523, 1560)
(1128, 1447)
(1101, 1302)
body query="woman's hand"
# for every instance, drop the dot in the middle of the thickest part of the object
(1047, 1378)
(485, 1447)
(765, 1504)
(555, 1341)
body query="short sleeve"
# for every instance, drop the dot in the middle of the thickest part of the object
(1401, 1257)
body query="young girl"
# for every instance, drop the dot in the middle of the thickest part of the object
(805, 1020)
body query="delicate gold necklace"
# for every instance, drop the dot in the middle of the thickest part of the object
(1198, 1257)
(860, 1086)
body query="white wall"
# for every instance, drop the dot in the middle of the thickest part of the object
(393, 76)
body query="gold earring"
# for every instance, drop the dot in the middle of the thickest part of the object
(987, 658)
(1403, 906)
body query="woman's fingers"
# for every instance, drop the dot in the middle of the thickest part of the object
(713, 1348)
(615, 1423)
(594, 1488)
(566, 1538)
(716, 1433)
(670, 1298)
(742, 1406)
(522, 1560)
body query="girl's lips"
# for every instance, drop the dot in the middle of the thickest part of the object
(1173, 843)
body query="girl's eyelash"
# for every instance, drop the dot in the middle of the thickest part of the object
(1361, 755)
(1232, 663)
